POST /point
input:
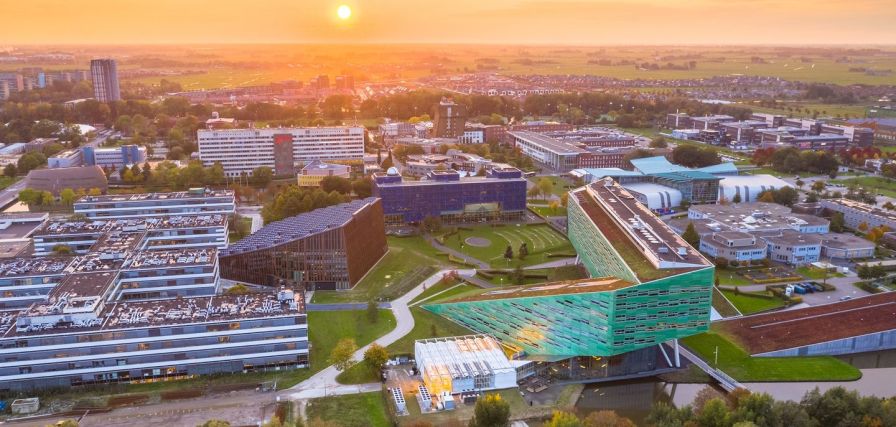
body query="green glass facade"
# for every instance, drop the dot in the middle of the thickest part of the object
(595, 252)
(592, 323)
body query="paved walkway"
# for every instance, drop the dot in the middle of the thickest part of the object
(468, 259)
(553, 264)
(324, 382)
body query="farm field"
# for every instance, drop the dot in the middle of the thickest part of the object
(487, 243)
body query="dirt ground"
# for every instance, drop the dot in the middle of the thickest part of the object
(240, 408)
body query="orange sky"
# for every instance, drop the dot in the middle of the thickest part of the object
(450, 21)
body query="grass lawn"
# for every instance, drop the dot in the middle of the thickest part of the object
(359, 373)
(547, 211)
(749, 303)
(454, 291)
(426, 325)
(816, 273)
(730, 278)
(735, 362)
(326, 328)
(879, 184)
(443, 285)
(409, 261)
(351, 410)
(722, 305)
(6, 181)
(559, 185)
(540, 239)
(554, 275)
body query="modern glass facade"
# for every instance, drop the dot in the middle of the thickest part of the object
(601, 323)
(444, 194)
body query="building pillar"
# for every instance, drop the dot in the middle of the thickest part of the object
(677, 356)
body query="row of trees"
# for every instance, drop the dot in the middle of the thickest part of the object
(791, 160)
(694, 156)
(294, 200)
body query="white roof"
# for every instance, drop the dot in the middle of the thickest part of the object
(461, 357)
(754, 181)
(655, 193)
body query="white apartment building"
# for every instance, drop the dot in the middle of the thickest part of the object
(281, 149)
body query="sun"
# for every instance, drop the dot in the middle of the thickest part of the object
(344, 12)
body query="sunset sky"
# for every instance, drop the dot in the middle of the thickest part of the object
(450, 21)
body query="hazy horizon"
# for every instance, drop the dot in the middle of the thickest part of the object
(465, 22)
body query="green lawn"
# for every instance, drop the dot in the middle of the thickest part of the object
(559, 185)
(730, 278)
(454, 291)
(735, 362)
(540, 239)
(6, 181)
(554, 275)
(326, 328)
(547, 211)
(878, 184)
(409, 261)
(351, 410)
(722, 305)
(434, 289)
(816, 273)
(359, 373)
(748, 303)
(425, 323)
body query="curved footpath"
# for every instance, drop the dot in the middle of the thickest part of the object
(324, 382)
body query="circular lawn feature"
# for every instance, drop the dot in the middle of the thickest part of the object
(478, 242)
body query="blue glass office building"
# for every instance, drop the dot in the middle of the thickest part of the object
(498, 196)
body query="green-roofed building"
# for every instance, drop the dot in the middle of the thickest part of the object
(648, 287)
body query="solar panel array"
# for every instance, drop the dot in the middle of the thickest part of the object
(299, 226)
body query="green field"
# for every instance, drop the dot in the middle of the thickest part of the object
(748, 302)
(817, 273)
(735, 362)
(877, 184)
(722, 305)
(731, 278)
(548, 211)
(446, 294)
(541, 240)
(359, 373)
(554, 275)
(351, 410)
(326, 328)
(424, 321)
(409, 261)
(559, 185)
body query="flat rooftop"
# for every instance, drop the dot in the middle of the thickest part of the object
(131, 224)
(170, 258)
(38, 266)
(461, 357)
(757, 216)
(136, 314)
(864, 207)
(433, 182)
(554, 145)
(787, 329)
(845, 241)
(177, 195)
(118, 242)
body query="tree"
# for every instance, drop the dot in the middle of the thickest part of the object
(67, 196)
(363, 187)
(336, 183)
(607, 419)
(736, 198)
(30, 161)
(563, 419)
(10, 170)
(431, 224)
(373, 313)
(690, 235)
(658, 142)
(863, 226)
(375, 357)
(215, 423)
(818, 186)
(767, 197)
(262, 176)
(342, 355)
(62, 249)
(545, 185)
(518, 276)
(508, 253)
(714, 414)
(695, 157)
(491, 411)
(799, 184)
(837, 222)
(481, 171)
(524, 250)
(237, 289)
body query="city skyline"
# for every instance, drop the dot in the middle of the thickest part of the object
(572, 22)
